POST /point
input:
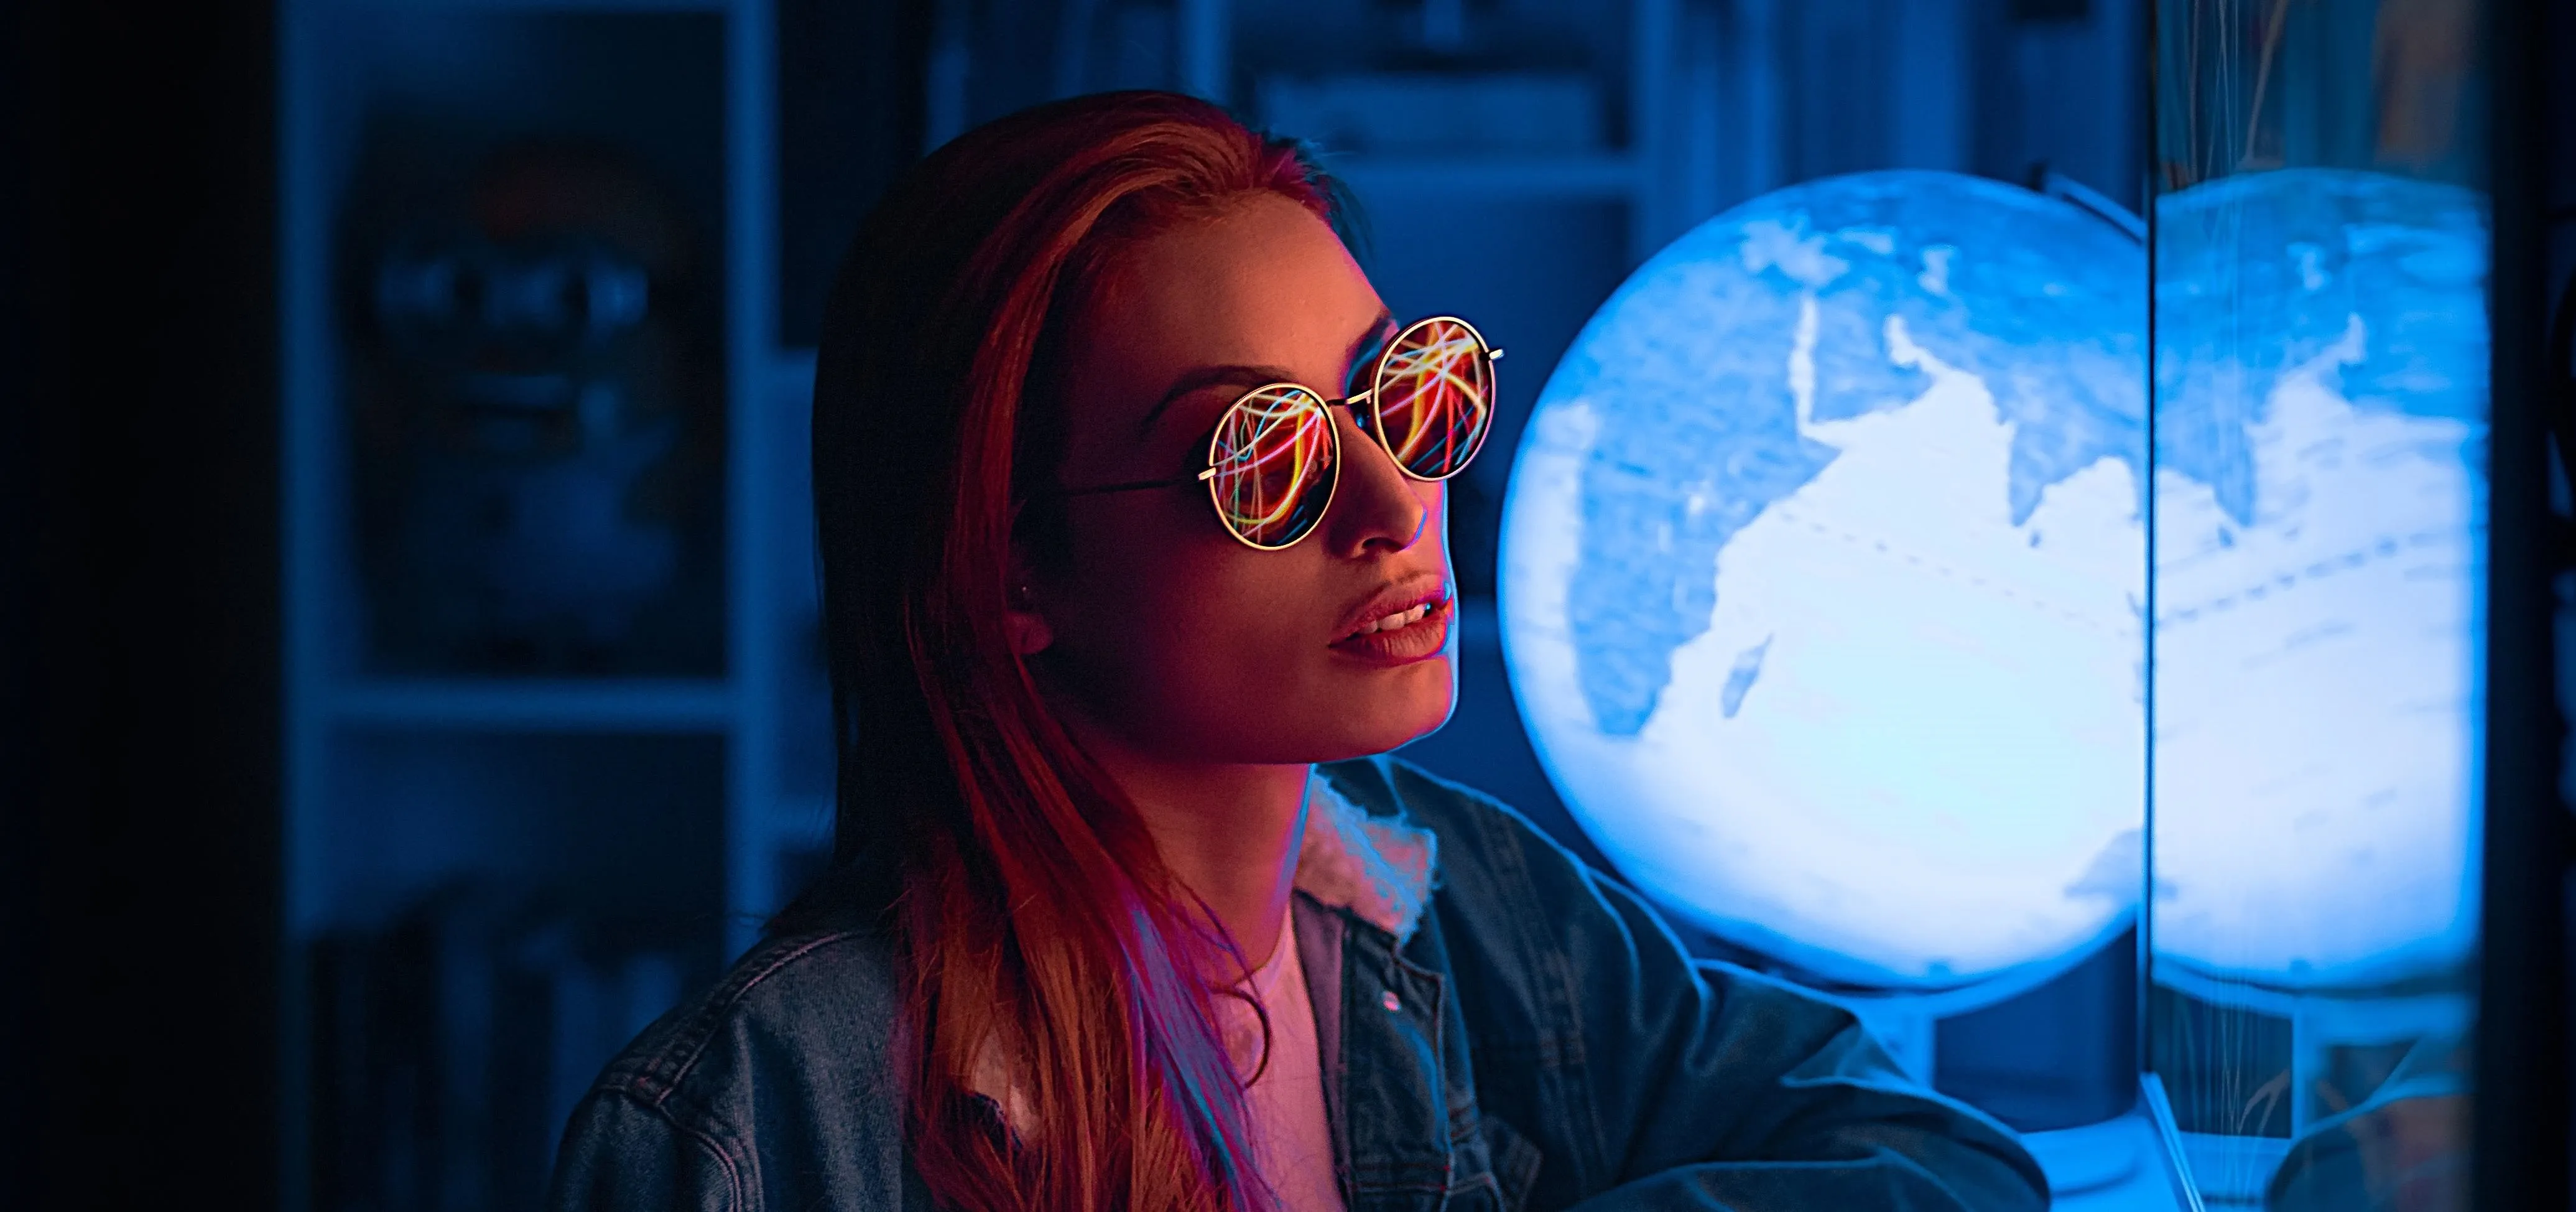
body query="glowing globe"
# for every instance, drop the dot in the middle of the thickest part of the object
(1823, 573)
(2321, 414)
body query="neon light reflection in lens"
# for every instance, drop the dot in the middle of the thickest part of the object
(1273, 453)
(1434, 398)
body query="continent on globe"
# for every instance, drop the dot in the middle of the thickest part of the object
(1824, 573)
(1707, 433)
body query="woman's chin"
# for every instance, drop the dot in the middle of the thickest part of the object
(1394, 708)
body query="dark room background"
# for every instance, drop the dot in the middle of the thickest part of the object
(409, 706)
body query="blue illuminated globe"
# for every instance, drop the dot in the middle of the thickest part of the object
(2321, 405)
(1823, 573)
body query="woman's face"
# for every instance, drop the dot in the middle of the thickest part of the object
(1160, 628)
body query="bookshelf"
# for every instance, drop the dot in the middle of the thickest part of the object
(552, 838)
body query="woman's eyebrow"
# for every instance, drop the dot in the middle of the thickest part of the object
(1236, 375)
(1213, 376)
(1376, 332)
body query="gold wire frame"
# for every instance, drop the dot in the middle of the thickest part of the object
(1487, 356)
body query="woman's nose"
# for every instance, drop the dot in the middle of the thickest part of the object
(1376, 506)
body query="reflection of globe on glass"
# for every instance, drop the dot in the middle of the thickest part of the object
(1822, 577)
(2321, 415)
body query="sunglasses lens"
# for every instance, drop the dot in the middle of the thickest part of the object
(1435, 397)
(1273, 454)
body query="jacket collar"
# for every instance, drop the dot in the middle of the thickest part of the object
(1377, 867)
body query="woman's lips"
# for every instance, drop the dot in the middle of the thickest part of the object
(1424, 637)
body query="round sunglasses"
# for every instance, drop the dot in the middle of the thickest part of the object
(1276, 456)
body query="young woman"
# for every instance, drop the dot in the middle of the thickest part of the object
(1130, 496)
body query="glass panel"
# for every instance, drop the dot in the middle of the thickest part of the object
(2318, 548)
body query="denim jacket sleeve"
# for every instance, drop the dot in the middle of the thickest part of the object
(772, 1090)
(1656, 1081)
(1718, 1088)
(620, 1155)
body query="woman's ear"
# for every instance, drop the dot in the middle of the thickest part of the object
(1029, 631)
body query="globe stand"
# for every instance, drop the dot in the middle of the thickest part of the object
(2324, 1021)
(2088, 1157)
(1905, 1022)
(2076, 1158)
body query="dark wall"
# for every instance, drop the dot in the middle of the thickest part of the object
(2524, 1143)
(849, 113)
(139, 635)
(19, 953)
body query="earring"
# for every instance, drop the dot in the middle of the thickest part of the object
(1029, 631)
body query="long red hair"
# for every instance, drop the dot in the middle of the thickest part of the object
(1029, 905)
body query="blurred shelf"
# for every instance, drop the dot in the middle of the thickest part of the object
(601, 7)
(801, 821)
(791, 374)
(1587, 175)
(621, 824)
(604, 705)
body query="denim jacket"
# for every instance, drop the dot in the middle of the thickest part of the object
(1502, 1030)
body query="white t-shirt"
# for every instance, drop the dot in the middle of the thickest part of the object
(1291, 1134)
(1292, 1138)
